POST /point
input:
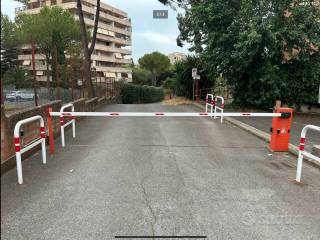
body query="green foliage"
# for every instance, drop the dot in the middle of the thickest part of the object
(170, 83)
(141, 76)
(41, 27)
(267, 49)
(52, 28)
(9, 53)
(132, 93)
(169, 73)
(18, 77)
(8, 31)
(58, 52)
(156, 63)
(183, 76)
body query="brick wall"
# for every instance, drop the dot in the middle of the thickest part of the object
(31, 131)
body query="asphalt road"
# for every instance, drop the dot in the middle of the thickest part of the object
(161, 176)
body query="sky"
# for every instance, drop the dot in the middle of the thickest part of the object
(148, 34)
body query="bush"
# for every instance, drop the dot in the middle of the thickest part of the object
(169, 83)
(141, 76)
(132, 93)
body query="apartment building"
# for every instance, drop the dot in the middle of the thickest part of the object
(112, 53)
(176, 57)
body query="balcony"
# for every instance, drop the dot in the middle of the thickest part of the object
(29, 11)
(110, 59)
(112, 49)
(113, 69)
(90, 23)
(125, 21)
(29, 57)
(103, 58)
(38, 68)
(108, 8)
(114, 39)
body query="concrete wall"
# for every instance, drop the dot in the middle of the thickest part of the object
(31, 131)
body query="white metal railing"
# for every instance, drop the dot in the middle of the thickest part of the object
(210, 102)
(219, 106)
(63, 124)
(19, 150)
(302, 152)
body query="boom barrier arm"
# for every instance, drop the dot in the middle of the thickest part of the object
(165, 114)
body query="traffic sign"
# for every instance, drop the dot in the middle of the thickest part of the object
(194, 72)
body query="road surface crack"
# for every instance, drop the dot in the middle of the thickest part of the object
(148, 203)
(146, 198)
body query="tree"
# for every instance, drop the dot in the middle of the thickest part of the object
(141, 76)
(156, 63)
(18, 77)
(27, 32)
(55, 29)
(8, 45)
(169, 83)
(88, 50)
(267, 49)
(74, 50)
(183, 77)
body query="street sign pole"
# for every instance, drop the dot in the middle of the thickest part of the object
(193, 89)
(197, 88)
(194, 76)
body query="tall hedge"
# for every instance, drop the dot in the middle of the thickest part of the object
(132, 93)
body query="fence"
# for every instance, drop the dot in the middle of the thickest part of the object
(210, 102)
(218, 106)
(302, 151)
(20, 150)
(63, 125)
(24, 98)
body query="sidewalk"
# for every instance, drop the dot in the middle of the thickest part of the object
(262, 127)
(299, 121)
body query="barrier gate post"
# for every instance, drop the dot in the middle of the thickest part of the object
(50, 128)
(280, 130)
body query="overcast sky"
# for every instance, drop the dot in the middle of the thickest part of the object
(148, 34)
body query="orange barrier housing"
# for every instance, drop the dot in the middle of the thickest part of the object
(280, 131)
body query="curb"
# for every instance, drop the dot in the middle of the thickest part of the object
(294, 150)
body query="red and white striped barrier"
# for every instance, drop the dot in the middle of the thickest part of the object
(164, 114)
(302, 151)
(210, 102)
(280, 114)
(219, 106)
(19, 150)
(63, 124)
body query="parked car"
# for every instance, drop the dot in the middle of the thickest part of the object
(19, 96)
